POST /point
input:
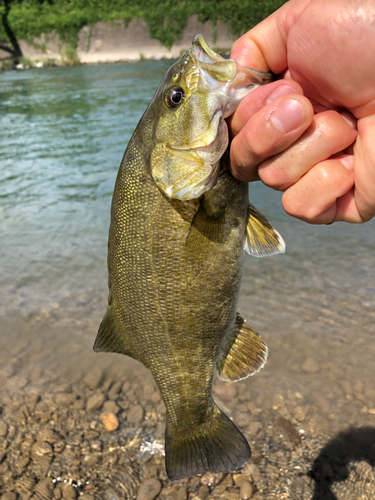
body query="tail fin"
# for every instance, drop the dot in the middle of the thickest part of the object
(215, 446)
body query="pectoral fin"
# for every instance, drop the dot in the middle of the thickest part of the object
(110, 338)
(261, 238)
(244, 354)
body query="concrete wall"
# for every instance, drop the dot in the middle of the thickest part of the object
(111, 42)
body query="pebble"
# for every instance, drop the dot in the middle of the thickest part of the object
(299, 413)
(111, 406)
(225, 484)
(68, 491)
(48, 435)
(254, 471)
(110, 421)
(203, 492)
(253, 428)
(246, 490)
(41, 452)
(93, 379)
(289, 431)
(135, 414)
(225, 392)
(212, 479)
(9, 496)
(44, 489)
(240, 478)
(115, 389)
(65, 398)
(95, 402)
(3, 429)
(272, 472)
(155, 398)
(175, 491)
(149, 489)
(310, 366)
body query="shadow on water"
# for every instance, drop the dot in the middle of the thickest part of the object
(332, 464)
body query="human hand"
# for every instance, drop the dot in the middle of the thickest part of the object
(324, 162)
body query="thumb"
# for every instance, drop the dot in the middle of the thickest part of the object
(264, 47)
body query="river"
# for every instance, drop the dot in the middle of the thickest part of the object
(63, 134)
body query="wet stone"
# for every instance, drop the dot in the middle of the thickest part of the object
(310, 366)
(95, 402)
(246, 490)
(68, 491)
(115, 390)
(44, 489)
(41, 452)
(25, 484)
(288, 429)
(12, 431)
(48, 435)
(156, 397)
(225, 392)
(135, 414)
(3, 429)
(212, 479)
(272, 472)
(174, 492)
(240, 478)
(65, 398)
(299, 413)
(111, 406)
(149, 490)
(9, 496)
(93, 379)
(110, 421)
(225, 484)
(253, 470)
(253, 428)
(203, 492)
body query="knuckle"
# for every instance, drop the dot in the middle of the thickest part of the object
(273, 175)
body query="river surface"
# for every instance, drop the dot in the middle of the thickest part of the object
(63, 134)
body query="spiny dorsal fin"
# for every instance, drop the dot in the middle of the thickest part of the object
(244, 354)
(110, 338)
(261, 238)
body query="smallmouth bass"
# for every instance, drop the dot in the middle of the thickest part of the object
(179, 226)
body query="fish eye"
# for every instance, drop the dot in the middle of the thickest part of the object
(174, 97)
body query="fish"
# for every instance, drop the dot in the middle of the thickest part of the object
(180, 223)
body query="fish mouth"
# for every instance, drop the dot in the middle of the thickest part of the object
(225, 76)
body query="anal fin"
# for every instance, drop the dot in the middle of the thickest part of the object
(110, 338)
(261, 238)
(244, 354)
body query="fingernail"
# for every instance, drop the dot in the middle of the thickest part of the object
(280, 92)
(348, 162)
(289, 115)
(349, 118)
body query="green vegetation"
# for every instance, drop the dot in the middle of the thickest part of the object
(166, 19)
(69, 57)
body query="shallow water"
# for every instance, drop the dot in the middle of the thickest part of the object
(63, 134)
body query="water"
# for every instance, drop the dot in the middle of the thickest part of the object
(63, 134)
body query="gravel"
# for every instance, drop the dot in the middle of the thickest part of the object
(98, 433)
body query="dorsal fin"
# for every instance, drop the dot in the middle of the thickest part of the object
(110, 338)
(244, 354)
(261, 238)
